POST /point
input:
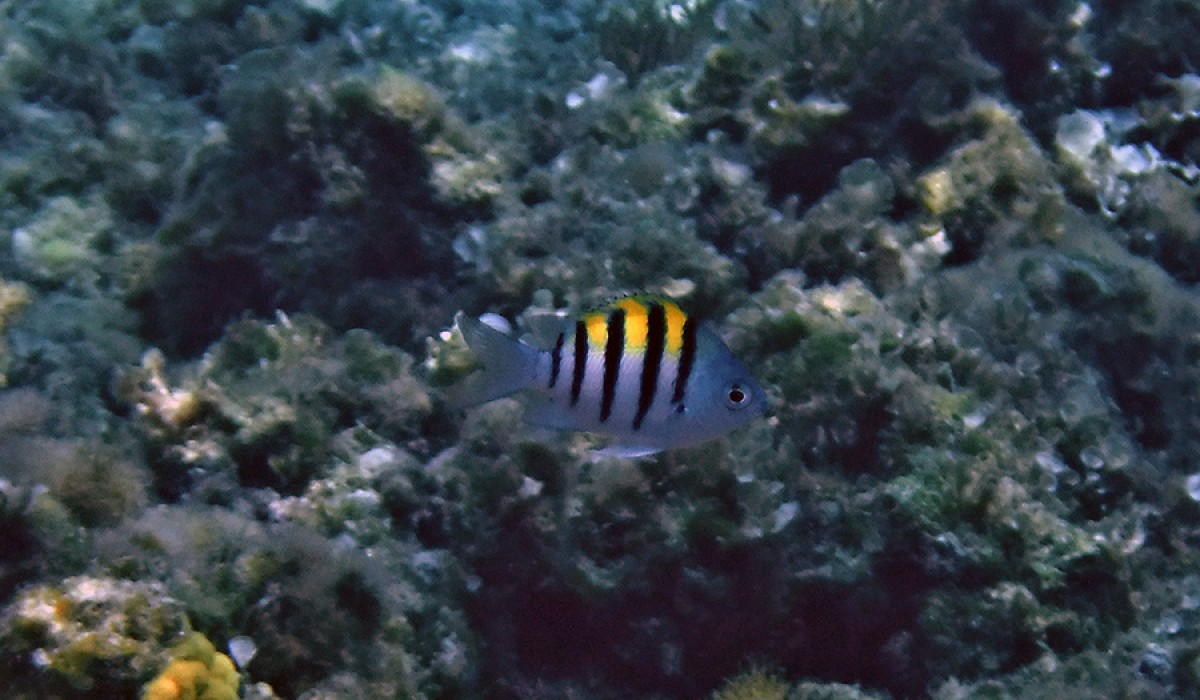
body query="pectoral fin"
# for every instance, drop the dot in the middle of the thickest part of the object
(508, 365)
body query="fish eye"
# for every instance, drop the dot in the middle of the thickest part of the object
(736, 396)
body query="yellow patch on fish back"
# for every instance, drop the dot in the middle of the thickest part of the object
(675, 320)
(597, 330)
(636, 323)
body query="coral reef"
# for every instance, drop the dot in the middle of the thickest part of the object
(90, 635)
(263, 408)
(957, 241)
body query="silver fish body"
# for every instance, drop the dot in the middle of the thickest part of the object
(638, 369)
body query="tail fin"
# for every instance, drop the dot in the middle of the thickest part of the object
(509, 365)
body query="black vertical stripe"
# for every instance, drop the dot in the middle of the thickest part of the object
(687, 356)
(556, 359)
(581, 352)
(656, 340)
(613, 350)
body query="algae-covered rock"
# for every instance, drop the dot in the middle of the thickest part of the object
(821, 350)
(395, 610)
(358, 496)
(989, 184)
(641, 36)
(58, 244)
(96, 484)
(93, 635)
(597, 235)
(650, 115)
(14, 296)
(1163, 224)
(727, 70)
(355, 175)
(65, 345)
(264, 406)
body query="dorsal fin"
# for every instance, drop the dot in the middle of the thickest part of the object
(644, 298)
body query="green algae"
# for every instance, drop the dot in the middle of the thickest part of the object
(92, 635)
(263, 409)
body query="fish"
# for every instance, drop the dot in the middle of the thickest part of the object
(637, 369)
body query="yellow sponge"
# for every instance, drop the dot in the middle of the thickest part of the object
(198, 672)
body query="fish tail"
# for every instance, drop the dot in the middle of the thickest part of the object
(508, 365)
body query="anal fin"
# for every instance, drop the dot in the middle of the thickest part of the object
(627, 451)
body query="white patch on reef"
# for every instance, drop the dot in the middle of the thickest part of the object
(471, 247)
(784, 515)
(530, 488)
(376, 460)
(1079, 134)
(22, 244)
(242, 650)
(1081, 15)
(40, 658)
(820, 106)
(732, 175)
(468, 51)
(1089, 141)
(598, 86)
(1193, 487)
(1187, 91)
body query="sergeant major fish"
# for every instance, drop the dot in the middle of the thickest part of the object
(638, 369)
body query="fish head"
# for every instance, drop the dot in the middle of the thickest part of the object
(723, 395)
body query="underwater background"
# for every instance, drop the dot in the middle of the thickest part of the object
(957, 241)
